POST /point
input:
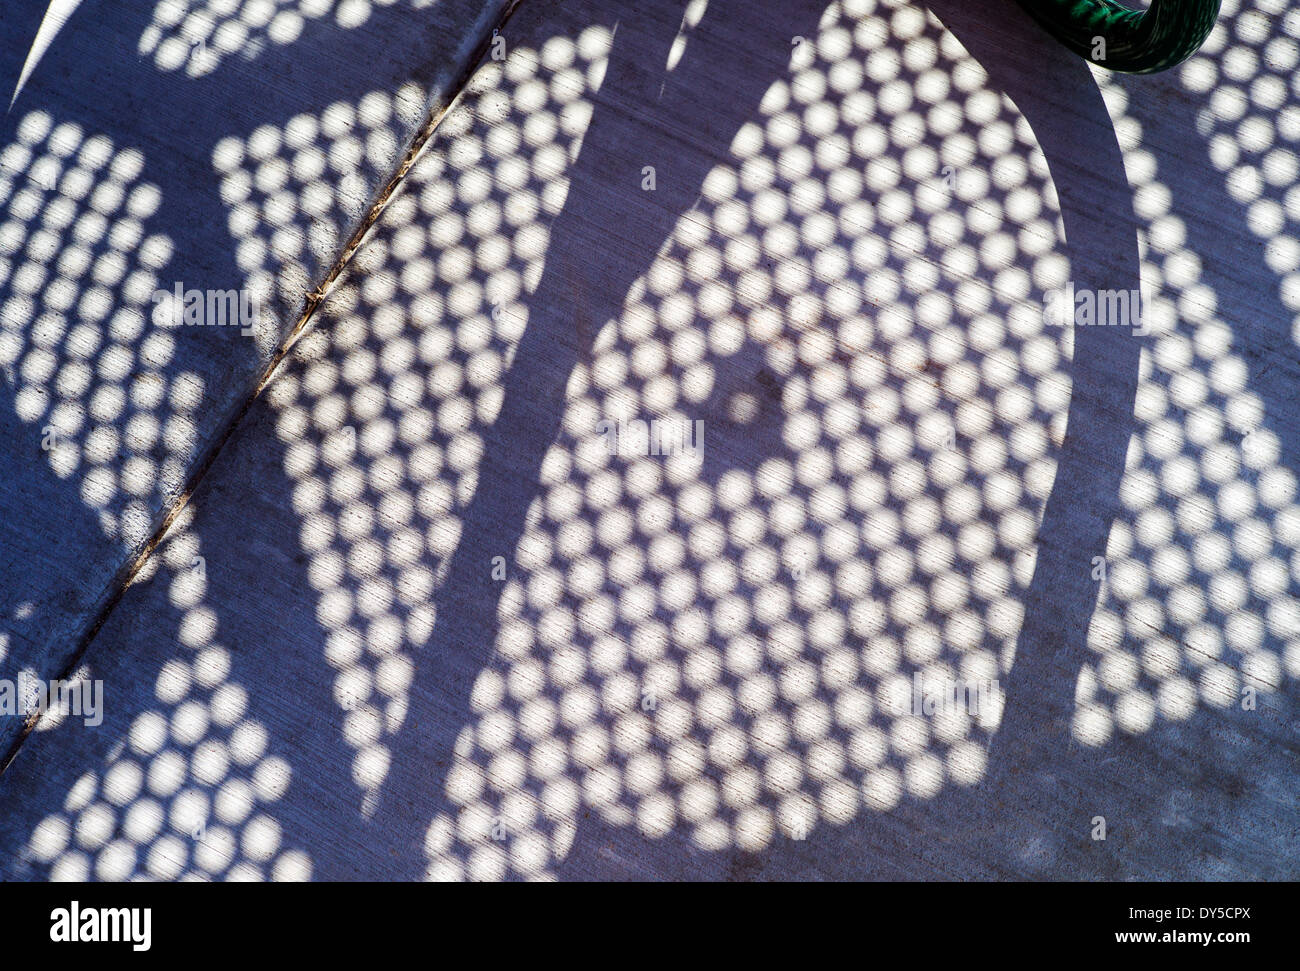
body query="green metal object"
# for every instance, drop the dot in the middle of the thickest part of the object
(1123, 39)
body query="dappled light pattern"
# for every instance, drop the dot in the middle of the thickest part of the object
(721, 643)
(382, 407)
(188, 794)
(727, 642)
(194, 36)
(1247, 77)
(1200, 603)
(292, 189)
(378, 410)
(197, 762)
(89, 367)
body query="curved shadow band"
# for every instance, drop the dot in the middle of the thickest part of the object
(1122, 39)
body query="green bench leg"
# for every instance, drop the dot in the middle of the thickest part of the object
(1123, 39)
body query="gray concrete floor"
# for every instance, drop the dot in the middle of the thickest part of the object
(418, 621)
(213, 146)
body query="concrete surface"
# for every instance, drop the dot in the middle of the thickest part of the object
(156, 144)
(438, 630)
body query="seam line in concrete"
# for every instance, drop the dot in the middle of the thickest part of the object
(126, 575)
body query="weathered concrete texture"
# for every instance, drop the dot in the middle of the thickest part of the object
(174, 146)
(455, 618)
